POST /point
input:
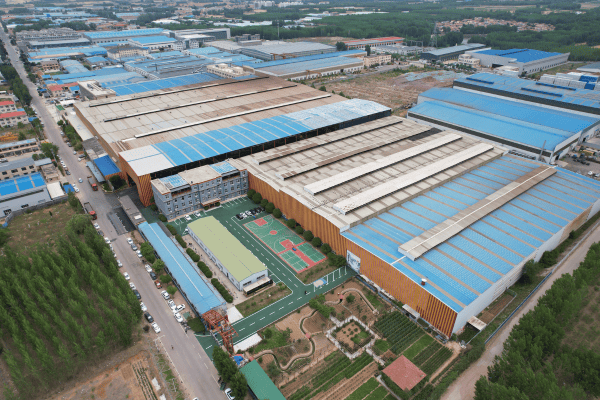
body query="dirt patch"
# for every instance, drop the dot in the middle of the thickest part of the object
(316, 271)
(286, 353)
(263, 299)
(490, 313)
(130, 379)
(316, 323)
(292, 321)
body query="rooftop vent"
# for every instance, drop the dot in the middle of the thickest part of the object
(423, 282)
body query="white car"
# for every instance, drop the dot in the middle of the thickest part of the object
(165, 295)
(97, 226)
(131, 285)
(75, 189)
(144, 308)
(139, 253)
(197, 214)
(126, 275)
(148, 268)
(80, 180)
(180, 307)
(156, 327)
(172, 304)
(107, 240)
(188, 218)
(129, 241)
(229, 394)
(119, 263)
(178, 317)
(114, 254)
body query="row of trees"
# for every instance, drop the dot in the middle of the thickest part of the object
(535, 362)
(16, 84)
(61, 309)
(229, 372)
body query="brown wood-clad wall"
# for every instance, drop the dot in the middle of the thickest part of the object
(142, 182)
(387, 277)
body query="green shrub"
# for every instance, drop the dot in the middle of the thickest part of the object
(171, 229)
(299, 230)
(172, 290)
(264, 202)
(182, 242)
(270, 207)
(162, 218)
(226, 295)
(205, 270)
(318, 303)
(291, 223)
(251, 192)
(166, 278)
(316, 242)
(277, 213)
(257, 198)
(325, 248)
(308, 236)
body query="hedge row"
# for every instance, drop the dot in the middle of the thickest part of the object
(205, 270)
(195, 257)
(171, 229)
(226, 295)
(181, 241)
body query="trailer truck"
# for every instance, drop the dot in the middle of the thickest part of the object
(93, 183)
(88, 209)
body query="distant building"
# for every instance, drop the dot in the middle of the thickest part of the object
(120, 52)
(469, 60)
(59, 90)
(48, 170)
(384, 41)
(50, 44)
(121, 36)
(246, 37)
(449, 53)
(17, 148)
(225, 71)
(401, 50)
(92, 90)
(7, 106)
(157, 42)
(22, 192)
(528, 61)
(194, 38)
(13, 118)
(377, 59)
(283, 50)
(50, 66)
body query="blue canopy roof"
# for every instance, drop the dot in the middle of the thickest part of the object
(106, 165)
(520, 55)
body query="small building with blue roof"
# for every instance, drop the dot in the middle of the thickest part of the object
(527, 129)
(22, 192)
(528, 61)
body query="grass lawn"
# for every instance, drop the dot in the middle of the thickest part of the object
(378, 394)
(373, 299)
(417, 347)
(316, 272)
(360, 336)
(261, 300)
(39, 228)
(382, 345)
(364, 390)
(272, 338)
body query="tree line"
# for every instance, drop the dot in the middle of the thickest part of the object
(62, 309)
(16, 84)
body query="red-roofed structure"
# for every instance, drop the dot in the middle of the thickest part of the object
(384, 41)
(57, 89)
(13, 114)
(7, 103)
(404, 373)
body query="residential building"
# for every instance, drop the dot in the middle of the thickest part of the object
(60, 90)
(469, 60)
(7, 106)
(126, 51)
(378, 59)
(48, 170)
(50, 65)
(13, 118)
(18, 148)
(19, 167)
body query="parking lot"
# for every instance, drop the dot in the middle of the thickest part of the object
(582, 166)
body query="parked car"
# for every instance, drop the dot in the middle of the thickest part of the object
(126, 275)
(171, 304)
(133, 247)
(165, 295)
(188, 218)
(229, 394)
(143, 306)
(130, 241)
(148, 317)
(69, 173)
(139, 254)
(107, 240)
(137, 294)
(119, 263)
(100, 233)
(158, 284)
(131, 285)
(180, 307)
(178, 317)
(80, 180)
(153, 276)
(156, 327)
(148, 268)
(197, 214)
(97, 226)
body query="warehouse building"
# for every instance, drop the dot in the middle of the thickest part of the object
(64, 52)
(198, 188)
(547, 95)
(526, 60)
(385, 41)
(532, 131)
(157, 43)
(22, 192)
(157, 84)
(449, 53)
(120, 52)
(120, 36)
(161, 133)
(201, 296)
(168, 67)
(575, 80)
(442, 222)
(312, 69)
(283, 50)
(227, 253)
(49, 44)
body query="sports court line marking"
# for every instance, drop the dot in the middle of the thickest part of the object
(281, 308)
(270, 314)
(252, 324)
(262, 318)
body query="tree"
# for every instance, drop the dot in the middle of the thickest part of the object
(308, 236)
(22, 135)
(341, 46)
(250, 193)
(264, 202)
(239, 385)
(4, 236)
(78, 223)
(158, 266)
(35, 157)
(291, 223)
(323, 88)
(316, 242)
(269, 208)
(148, 252)
(256, 198)
(368, 50)
(350, 298)
(172, 290)
(299, 230)
(325, 248)
(165, 279)
(277, 213)
(49, 149)
(226, 367)
(273, 370)
(116, 181)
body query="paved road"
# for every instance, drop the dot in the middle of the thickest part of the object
(190, 361)
(464, 386)
(278, 271)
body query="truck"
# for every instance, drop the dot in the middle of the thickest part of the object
(93, 183)
(88, 209)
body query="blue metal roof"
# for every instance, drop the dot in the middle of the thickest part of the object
(203, 51)
(153, 39)
(495, 124)
(202, 296)
(461, 268)
(12, 186)
(106, 165)
(223, 167)
(132, 32)
(218, 142)
(174, 181)
(526, 87)
(542, 116)
(520, 55)
(96, 59)
(299, 67)
(110, 71)
(166, 83)
(165, 54)
(348, 53)
(86, 51)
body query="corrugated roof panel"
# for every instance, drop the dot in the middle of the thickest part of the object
(436, 206)
(550, 197)
(389, 231)
(447, 191)
(578, 201)
(429, 214)
(412, 230)
(512, 231)
(538, 211)
(492, 246)
(547, 205)
(476, 187)
(446, 200)
(413, 218)
(483, 254)
(470, 262)
(498, 237)
(471, 177)
(458, 271)
(524, 225)
(530, 217)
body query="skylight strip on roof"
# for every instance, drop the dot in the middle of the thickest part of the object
(354, 173)
(404, 181)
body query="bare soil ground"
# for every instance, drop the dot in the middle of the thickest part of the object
(316, 271)
(489, 313)
(292, 321)
(390, 89)
(39, 228)
(316, 323)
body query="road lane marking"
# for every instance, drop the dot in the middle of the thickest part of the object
(205, 365)
(252, 323)
(281, 308)
(262, 318)
(270, 314)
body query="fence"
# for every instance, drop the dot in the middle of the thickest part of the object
(36, 207)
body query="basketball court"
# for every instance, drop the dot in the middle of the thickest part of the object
(290, 247)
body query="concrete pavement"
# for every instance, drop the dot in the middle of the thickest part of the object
(197, 372)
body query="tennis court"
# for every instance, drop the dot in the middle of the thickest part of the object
(290, 247)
